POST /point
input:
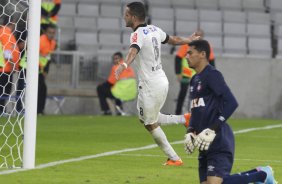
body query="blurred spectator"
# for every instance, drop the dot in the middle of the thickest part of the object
(184, 73)
(47, 46)
(49, 12)
(22, 72)
(9, 57)
(119, 90)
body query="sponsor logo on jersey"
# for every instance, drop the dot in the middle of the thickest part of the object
(149, 29)
(145, 31)
(197, 102)
(134, 38)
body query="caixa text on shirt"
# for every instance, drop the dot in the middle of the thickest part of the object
(197, 102)
(155, 68)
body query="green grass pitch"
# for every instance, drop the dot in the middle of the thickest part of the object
(66, 138)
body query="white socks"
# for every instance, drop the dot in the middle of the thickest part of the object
(170, 119)
(162, 142)
(160, 137)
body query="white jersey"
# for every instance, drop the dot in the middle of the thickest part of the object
(148, 39)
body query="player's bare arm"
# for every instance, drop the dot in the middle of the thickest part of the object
(177, 40)
(128, 60)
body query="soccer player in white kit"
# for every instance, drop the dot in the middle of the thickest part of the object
(145, 49)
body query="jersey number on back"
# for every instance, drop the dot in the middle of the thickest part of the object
(156, 48)
(141, 111)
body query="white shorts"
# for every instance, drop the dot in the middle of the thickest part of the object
(151, 98)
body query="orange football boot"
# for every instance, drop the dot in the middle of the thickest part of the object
(173, 162)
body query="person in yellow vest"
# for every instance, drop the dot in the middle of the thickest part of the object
(47, 46)
(49, 12)
(123, 89)
(184, 73)
(9, 57)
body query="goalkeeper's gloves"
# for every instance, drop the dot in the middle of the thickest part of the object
(189, 143)
(204, 139)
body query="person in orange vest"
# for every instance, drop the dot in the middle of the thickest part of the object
(9, 57)
(47, 46)
(49, 12)
(184, 73)
(105, 89)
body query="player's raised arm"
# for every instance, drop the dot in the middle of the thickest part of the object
(128, 60)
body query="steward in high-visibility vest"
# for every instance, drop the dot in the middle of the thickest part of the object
(9, 59)
(123, 89)
(47, 46)
(49, 11)
(181, 64)
(184, 73)
(9, 52)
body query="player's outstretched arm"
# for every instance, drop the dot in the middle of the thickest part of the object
(177, 40)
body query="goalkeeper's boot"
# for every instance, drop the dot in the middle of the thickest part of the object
(269, 175)
(173, 162)
(187, 117)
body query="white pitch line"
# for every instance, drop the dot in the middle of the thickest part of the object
(42, 166)
(257, 128)
(193, 157)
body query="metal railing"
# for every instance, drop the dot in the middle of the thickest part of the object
(76, 71)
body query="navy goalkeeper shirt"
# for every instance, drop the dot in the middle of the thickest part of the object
(212, 103)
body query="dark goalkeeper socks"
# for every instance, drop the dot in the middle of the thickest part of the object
(245, 177)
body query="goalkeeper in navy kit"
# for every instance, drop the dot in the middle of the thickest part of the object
(212, 103)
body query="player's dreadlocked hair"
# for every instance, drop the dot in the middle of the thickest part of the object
(201, 45)
(137, 9)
